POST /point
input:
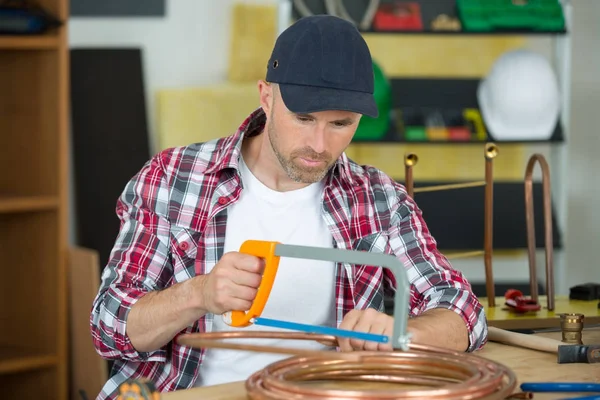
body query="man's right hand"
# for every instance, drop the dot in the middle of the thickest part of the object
(232, 284)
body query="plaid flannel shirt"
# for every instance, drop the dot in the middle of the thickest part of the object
(173, 217)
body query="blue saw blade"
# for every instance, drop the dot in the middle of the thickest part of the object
(275, 323)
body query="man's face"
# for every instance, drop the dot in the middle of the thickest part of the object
(307, 145)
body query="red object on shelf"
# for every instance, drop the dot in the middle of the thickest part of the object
(398, 16)
(459, 133)
(520, 304)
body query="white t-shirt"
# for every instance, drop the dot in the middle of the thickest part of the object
(303, 291)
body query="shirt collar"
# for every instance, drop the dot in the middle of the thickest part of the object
(229, 153)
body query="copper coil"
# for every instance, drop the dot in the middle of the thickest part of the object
(438, 373)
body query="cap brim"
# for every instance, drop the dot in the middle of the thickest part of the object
(309, 99)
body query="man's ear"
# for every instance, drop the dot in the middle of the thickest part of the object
(266, 96)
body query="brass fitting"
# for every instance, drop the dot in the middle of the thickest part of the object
(571, 325)
(491, 150)
(410, 159)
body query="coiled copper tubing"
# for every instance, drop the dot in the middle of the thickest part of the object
(430, 372)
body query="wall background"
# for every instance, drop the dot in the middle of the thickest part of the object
(189, 47)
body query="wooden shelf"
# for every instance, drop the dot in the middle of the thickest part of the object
(15, 204)
(506, 32)
(429, 10)
(34, 126)
(36, 42)
(14, 359)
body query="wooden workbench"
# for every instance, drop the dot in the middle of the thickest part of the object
(528, 365)
(500, 317)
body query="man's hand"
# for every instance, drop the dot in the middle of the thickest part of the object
(157, 317)
(424, 329)
(368, 321)
(232, 284)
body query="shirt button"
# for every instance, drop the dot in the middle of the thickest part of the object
(222, 200)
(184, 246)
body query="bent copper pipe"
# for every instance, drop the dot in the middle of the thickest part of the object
(490, 152)
(410, 160)
(530, 221)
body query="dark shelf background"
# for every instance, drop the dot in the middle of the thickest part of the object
(429, 10)
(441, 94)
(456, 217)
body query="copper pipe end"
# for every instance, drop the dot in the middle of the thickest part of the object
(411, 159)
(521, 395)
(491, 151)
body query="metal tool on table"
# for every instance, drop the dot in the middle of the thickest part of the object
(566, 353)
(517, 302)
(271, 252)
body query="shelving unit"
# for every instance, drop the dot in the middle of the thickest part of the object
(445, 94)
(33, 211)
(410, 91)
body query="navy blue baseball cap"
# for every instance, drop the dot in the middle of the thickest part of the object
(323, 63)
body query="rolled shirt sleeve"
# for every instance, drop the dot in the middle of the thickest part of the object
(138, 263)
(434, 283)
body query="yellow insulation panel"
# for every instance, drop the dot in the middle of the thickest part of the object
(199, 114)
(441, 162)
(439, 55)
(253, 34)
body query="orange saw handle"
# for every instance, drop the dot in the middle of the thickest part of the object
(266, 251)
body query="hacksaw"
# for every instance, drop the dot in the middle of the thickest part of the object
(272, 251)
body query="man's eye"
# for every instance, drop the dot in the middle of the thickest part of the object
(303, 119)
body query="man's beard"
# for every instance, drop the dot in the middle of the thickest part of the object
(299, 173)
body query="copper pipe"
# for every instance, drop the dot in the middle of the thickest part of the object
(450, 186)
(410, 160)
(521, 395)
(530, 221)
(440, 373)
(490, 152)
(214, 340)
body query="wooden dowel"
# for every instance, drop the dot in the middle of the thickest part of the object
(523, 340)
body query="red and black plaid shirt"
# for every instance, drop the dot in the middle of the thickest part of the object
(173, 216)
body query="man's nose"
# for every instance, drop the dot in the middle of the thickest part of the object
(318, 139)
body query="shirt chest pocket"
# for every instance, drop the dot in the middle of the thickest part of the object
(368, 279)
(184, 251)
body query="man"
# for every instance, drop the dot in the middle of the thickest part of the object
(175, 267)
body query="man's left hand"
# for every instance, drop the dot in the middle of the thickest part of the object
(368, 321)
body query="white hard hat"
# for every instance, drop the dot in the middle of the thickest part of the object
(519, 99)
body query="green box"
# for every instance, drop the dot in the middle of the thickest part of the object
(415, 134)
(490, 15)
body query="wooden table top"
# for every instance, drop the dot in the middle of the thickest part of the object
(528, 365)
(500, 317)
